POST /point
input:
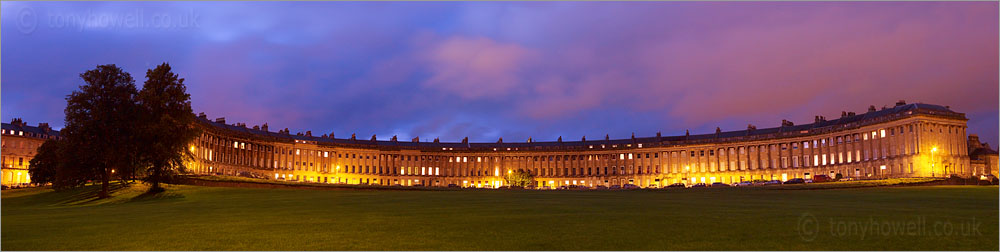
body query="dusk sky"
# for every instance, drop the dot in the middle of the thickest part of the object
(515, 69)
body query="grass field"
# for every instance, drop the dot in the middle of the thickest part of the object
(216, 218)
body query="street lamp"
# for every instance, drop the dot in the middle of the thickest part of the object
(933, 151)
(687, 173)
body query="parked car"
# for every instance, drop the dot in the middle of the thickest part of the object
(600, 187)
(563, 187)
(616, 187)
(720, 184)
(773, 182)
(821, 178)
(677, 185)
(452, 185)
(630, 186)
(795, 181)
(699, 185)
(744, 183)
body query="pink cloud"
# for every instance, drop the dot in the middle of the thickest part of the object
(474, 68)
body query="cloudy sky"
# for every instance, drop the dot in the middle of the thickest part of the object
(486, 70)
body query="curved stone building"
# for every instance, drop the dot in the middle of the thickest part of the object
(908, 140)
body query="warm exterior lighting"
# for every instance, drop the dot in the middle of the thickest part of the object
(934, 149)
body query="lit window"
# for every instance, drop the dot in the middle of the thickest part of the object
(437, 171)
(882, 133)
(630, 156)
(326, 154)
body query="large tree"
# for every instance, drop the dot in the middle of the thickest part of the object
(99, 123)
(519, 178)
(45, 163)
(167, 124)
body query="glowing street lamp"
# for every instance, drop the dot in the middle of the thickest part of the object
(933, 151)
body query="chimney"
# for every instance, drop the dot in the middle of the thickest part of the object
(583, 139)
(220, 120)
(851, 114)
(309, 133)
(353, 137)
(633, 136)
(17, 122)
(843, 114)
(871, 108)
(900, 103)
(255, 127)
(263, 127)
(373, 138)
(394, 138)
(298, 133)
(285, 131)
(687, 133)
(202, 115)
(465, 140)
(415, 140)
(658, 135)
(560, 139)
(718, 130)
(529, 140)
(45, 127)
(331, 134)
(501, 140)
(787, 123)
(607, 137)
(437, 140)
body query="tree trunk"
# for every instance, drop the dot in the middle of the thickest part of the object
(105, 183)
(156, 178)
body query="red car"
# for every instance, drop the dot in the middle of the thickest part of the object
(821, 178)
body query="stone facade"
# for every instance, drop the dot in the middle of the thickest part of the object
(982, 158)
(907, 140)
(19, 144)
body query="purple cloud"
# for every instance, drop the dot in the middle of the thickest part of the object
(514, 70)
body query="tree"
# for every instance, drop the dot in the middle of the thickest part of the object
(167, 125)
(519, 178)
(99, 120)
(43, 166)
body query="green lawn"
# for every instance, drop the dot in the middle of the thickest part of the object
(213, 218)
